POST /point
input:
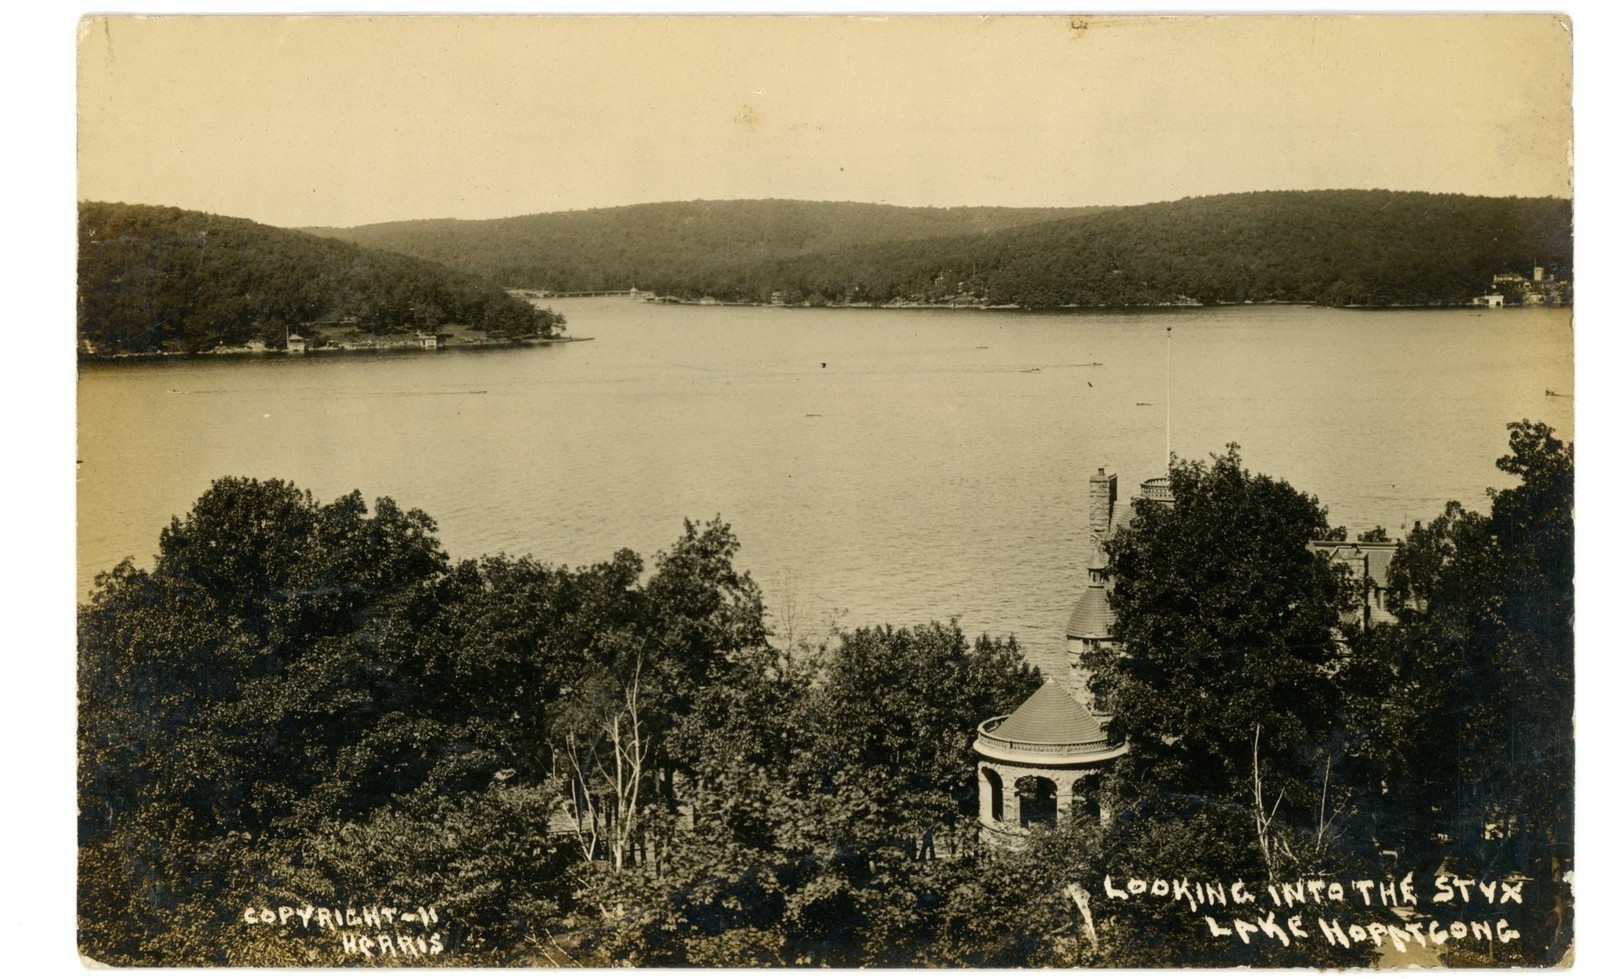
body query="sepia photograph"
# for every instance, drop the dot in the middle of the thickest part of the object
(929, 491)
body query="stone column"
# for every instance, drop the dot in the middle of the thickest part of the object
(1065, 784)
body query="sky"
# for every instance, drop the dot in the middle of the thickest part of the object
(352, 120)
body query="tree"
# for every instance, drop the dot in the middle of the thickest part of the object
(1017, 909)
(506, 646)
(610, 755)
(1423, 674)
(893, 718)
(1530, 713)
(1481, 660)
(1488, 606)
(819, 792)
(701, 613)
(1224, 671)
(485, 861)
(1498, 590)
(238, 691)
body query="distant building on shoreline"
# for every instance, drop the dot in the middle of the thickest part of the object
(1516, 289)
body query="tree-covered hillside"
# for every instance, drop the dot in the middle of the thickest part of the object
(1347, 247)
(160, 278)
(662, 245)
(1337, 247)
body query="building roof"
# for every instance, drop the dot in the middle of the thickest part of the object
(1097, 557)
(1378, 559)
(1371, 556)
(1051, 716)
(1091, 617)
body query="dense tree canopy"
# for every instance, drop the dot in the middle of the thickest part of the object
(1483, 660)
(669, 246)
(1334, 247)
(159, 278)
(893, 720)
(307, 706)
(1263, 725)
(1226, 622)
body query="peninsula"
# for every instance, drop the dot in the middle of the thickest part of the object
(154, 280)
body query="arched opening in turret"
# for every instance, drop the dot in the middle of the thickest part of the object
(1036, 801)
(1038, 752)
(997, 795)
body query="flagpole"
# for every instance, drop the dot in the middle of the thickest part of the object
(1166, 463)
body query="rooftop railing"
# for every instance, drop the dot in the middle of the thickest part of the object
(1158, 488)
(986, 738)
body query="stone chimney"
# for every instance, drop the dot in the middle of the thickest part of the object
(1102, 498)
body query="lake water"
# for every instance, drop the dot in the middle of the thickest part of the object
(879, 466)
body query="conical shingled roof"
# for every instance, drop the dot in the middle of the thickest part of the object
(1091, 617)
(1050, 716)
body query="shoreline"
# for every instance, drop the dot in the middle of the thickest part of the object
(411, 347)
(1106, 306)
(408, 347)
(1096, 307)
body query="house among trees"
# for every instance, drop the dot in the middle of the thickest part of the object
(1091, 620)
(1368, 562)
(297, 343)
(1519, 290)
(1041, 764)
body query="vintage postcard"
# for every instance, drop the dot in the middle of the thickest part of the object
(892, 491)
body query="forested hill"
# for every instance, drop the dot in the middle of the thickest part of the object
(1337, 247)
(1347, 247)
(163, 279)
(661, 245)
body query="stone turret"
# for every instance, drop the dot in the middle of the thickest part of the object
(1040, 766)
(1090, 620)
(1091, 623)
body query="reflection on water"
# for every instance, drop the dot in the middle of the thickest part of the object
(900, 465)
